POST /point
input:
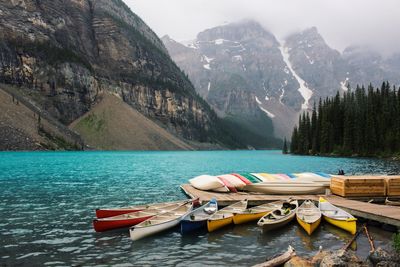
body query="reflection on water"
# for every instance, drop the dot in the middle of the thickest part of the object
(47, 202)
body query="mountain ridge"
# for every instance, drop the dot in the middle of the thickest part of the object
(286, 76)
(66, 54)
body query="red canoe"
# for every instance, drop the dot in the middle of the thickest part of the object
(111, 212)
(131, 219)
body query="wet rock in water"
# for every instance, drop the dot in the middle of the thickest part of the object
(298, 261)
(381, 257)
(342, 258)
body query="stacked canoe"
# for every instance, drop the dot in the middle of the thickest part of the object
(284, 184)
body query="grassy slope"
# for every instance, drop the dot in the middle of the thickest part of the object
(114, 125)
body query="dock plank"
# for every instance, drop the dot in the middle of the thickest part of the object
(381, 213)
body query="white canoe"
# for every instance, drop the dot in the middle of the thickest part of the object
(312, 177)
(160, 222)
(208, 182)
(286, 188)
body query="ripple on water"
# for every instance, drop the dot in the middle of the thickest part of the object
(57, 241)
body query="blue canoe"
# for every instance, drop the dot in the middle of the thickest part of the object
(197, 219)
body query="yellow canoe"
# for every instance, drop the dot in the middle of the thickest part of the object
(308, 216)
(337, 216)
(309, 227)
(255, 213)
(224, 217)
(213, 225)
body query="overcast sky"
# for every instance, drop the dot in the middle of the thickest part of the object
(341, 22)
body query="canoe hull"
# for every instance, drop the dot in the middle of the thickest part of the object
(309, 227)
(102, 225)
(347, 225)
(240, 218)
(272, 226)
(139, 233)
(191, 226)
(104, 213)
(213, 225)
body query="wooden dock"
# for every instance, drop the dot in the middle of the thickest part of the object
(380, 213)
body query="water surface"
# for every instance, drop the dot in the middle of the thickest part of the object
(47, 202)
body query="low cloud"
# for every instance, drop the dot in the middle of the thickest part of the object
(374, 23)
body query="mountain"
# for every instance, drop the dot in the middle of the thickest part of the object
(282, 77)
(67, 57)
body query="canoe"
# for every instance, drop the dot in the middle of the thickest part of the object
(133, 218)
(224, 217)
(255, 213)
(160, 222)
(110, 212)
(197, 219)
(206, 182)
(312, 177)
(337, 216)
(285, 187)
(279, 217)
(250, 177)
(244, 179)
(233, 180)
(308, 216)
(228, 184)
(260, 177)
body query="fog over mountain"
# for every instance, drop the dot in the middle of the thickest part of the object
(342, 23)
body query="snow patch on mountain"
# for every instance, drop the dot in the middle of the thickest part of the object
(207, 59)
(344, 84)
(207, 66)
(309, 59)
(237, 58)
(219, 41)
(209, 86)
(305, 92)
(258, 101)
(269, 114)
(282, 95)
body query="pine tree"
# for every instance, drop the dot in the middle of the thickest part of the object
(284, 149)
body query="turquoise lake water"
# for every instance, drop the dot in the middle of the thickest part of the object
(47, 202)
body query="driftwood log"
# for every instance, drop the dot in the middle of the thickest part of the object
(371, 241)
(279, 260)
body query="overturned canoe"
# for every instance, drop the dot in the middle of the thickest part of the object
(286, 188)
(337, 216)
(279, 217)
(160, 222)
(255, 213)
(308, 216)
(197, 219)
(224, 217)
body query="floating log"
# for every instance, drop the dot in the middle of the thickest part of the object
(278, 261)
(346, 247)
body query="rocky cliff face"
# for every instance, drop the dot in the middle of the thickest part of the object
(67, 52)
(285, 77)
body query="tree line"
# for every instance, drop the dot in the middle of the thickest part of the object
(362, 122)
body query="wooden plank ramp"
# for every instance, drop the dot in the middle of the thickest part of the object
(381, 213)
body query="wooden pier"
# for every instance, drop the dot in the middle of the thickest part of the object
(380, 213)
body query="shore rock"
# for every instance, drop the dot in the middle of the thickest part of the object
(342, 258)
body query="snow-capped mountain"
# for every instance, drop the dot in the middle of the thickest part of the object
(282, 77)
